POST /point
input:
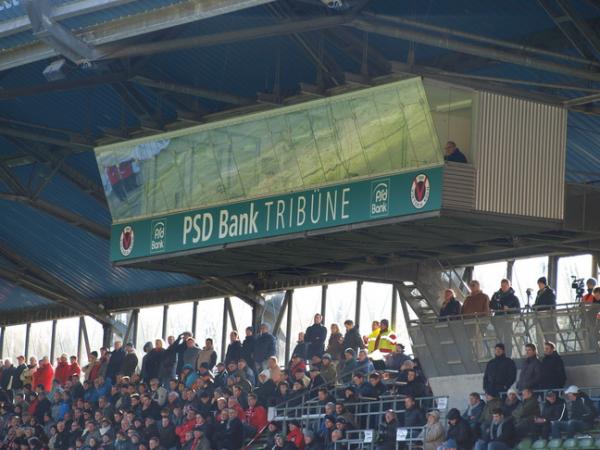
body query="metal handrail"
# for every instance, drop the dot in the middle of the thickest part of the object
(411, 436)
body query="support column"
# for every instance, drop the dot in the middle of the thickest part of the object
(323, 301)
(2, 333)
(53, 341)
(164, 322)
(80, 338)
(358, 303)
(394, 307)
(224, 331)
(288, 326)
(86, 339)
(468, 274)
(509, 269)
(135, 314)
(595, 262)
(27, 333)
(107, 336)
(552, 271)
(194, 318)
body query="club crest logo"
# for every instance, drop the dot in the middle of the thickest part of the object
(419, 191)
(126, 241)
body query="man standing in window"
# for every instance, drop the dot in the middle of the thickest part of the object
(453, 154)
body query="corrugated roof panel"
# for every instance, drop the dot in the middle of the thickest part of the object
(77, 258)
(15, 298)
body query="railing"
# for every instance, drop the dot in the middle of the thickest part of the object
(469, 340)
(406, 437)
(367, 412)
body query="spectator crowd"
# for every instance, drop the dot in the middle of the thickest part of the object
(181, 396)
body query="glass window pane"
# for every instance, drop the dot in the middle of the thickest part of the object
(39, 339)
(580, 267)
(95, 335)
(376, 305)
(307, 302)
(210, 321)
(149, 326)
(14, 341)
(525, 274)
(489, 276)
(179, 318)
(67, 331)
(341, 303)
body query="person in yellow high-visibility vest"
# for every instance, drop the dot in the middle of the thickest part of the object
(371, 338)
(385, 341)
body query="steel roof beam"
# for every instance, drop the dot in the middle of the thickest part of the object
(581, 24)
(227, 37)
(43, 138)
(482, 39)
(194, 91)
(61, 12)
(390, 30)
(571, 34)
(131, 26)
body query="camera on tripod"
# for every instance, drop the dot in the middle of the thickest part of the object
(579, 285)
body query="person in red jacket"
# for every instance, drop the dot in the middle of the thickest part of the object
(75, 368)
(63, 370)
(297, 365)
(256, 416)
(44, 375)
(188, 425)
(295, 435)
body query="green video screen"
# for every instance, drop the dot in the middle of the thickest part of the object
(378, 130)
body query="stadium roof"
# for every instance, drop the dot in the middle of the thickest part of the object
(75, 74)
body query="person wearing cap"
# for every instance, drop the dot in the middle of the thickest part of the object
(295, 434)
(501, 434)
(531, 370)
(349, 366)
(492, 402)
(581, 414)
(385, 341)
(511, 402)
(553, 375)
(315, 337)
(589, 295)
(546, 297)
(297, 364)
(311, 441)
(266, 346)
(458, 431)
(525, 414)
(433, 431)
(328, 371)
(316, 380)
(554, 408)
(386, 437)
(500, 371)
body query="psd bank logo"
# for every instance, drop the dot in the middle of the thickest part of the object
(126, 241)
(380, 198)
(158, 236)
